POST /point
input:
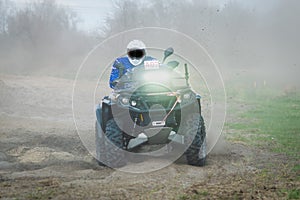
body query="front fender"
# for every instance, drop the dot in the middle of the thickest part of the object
(98, 111)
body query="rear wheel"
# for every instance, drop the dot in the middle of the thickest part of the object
(195, 137)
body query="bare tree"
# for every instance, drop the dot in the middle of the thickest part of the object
(126, 15)
(7, 9)
(43, 35)
(41, 20)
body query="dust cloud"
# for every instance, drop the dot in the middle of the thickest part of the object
(254, 45)
(257, 39)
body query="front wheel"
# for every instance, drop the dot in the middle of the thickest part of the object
(195, 137)
(114, 152)
(109, 146)
(100, 147)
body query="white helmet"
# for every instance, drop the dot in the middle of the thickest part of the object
(136, 51)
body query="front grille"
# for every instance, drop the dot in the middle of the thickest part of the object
(165, 101)
(146, 102)
(152, 94)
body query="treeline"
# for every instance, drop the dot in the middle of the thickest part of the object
(45, 35)
(41, 38)
(237, 33)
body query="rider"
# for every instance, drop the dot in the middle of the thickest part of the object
(136, 55)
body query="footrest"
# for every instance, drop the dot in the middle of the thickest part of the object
(136, 142)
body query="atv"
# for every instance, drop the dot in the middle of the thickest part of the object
(150, 105)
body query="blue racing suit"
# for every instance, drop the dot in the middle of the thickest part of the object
(126, 63)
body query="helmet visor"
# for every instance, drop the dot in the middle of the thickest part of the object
(136, 54)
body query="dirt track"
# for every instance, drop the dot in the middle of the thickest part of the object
(42, 157)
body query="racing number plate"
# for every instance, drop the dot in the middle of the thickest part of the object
(151, 64)
(158, 123)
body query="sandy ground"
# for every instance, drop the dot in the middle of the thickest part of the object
(42, 157)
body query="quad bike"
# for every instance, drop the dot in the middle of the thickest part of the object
(150, 105)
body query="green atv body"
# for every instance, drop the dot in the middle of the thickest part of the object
(150, 105)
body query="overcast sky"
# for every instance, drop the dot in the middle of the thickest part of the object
(92, 12)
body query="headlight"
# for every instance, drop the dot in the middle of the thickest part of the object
(187, 96)
(133, 103)
(125, 100)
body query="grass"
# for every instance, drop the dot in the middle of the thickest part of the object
(271, 119)
(294, 194)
